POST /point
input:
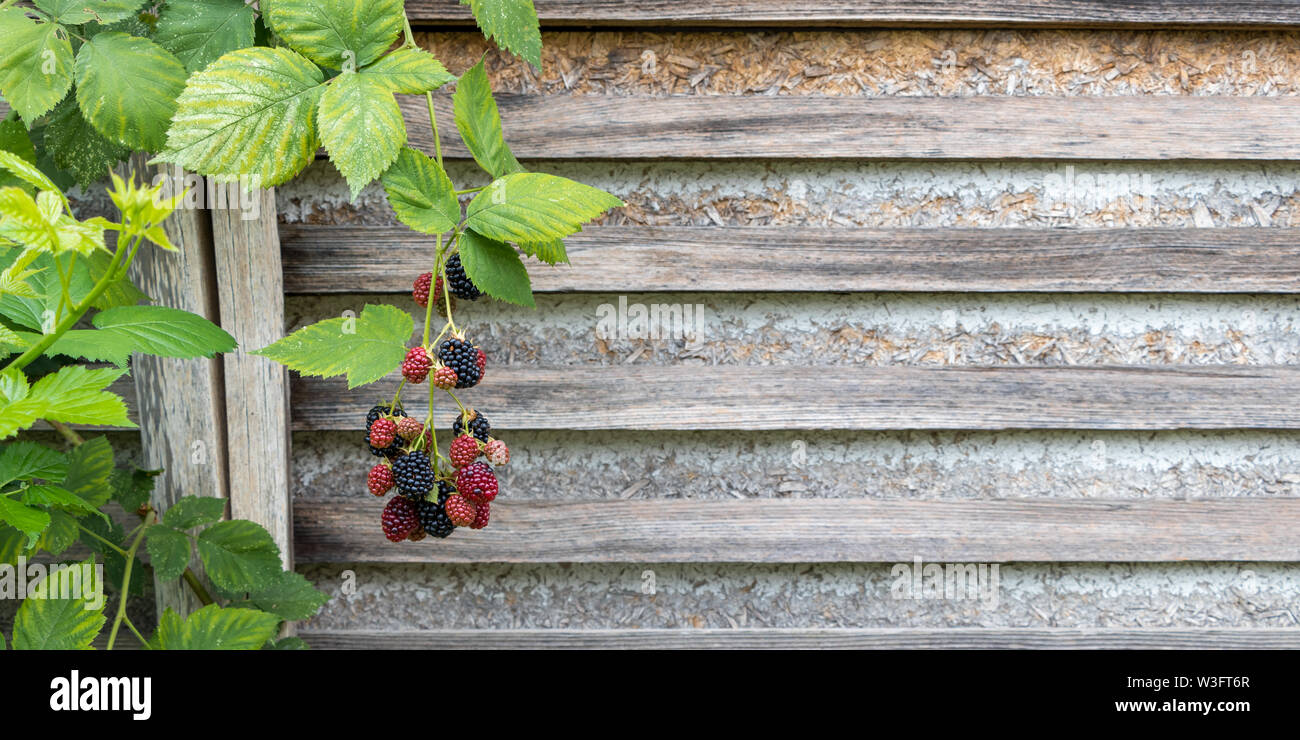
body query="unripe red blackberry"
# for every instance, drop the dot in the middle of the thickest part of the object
(383, 432)
(478, 426)
(399, 519)
(464, 449)
(481, 361)
(416, 534)
(477, 482)
(420, 291)
(459, 510)
(481, 513)
(462, 356)
(496, 452)
(445, 378)
(458, 282)
(409, 428)
(380, 479)
(416, 366)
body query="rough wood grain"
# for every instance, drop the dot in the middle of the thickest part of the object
(1047, 13)
(179, 408)
(825, 530)
(751, 638)
(379, 259)
(1161, 127)
(251, 289)
(834, 397)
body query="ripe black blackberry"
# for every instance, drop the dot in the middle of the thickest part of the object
(459, 282)
(382, 410)
(462, 356)
(478, 426)
(412, 474)
(433, 515)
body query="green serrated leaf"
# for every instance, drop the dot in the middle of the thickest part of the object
(14, 139)
(12, 544)
(479, 123)
(193, 511)
(409, 71)
(49, 495)
(289, 643)
(551, 252)
(291, 597)
(28, 460)
(533, 207)
(90, 468)
(421, 194)
(73, 395)
(361, 127)
(29, 173)
(365, 348)
(199, 32)
(62, 533)
(68, 615)
(496, 269)
(164, 331)
(338, 34)
(35, 63)
(132, 488)
(76, 12)
(127, 88)
(169, 551)
(26, 519)
(512, 24)
(215, 628)
(250, 113)
(80, 150)
(239, 555)
(85, 344)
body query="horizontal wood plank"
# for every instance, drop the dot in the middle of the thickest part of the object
(751, 638)
(823, 530)
(380, 259)
(837, 397)
(1158, 127)
(1048, 13)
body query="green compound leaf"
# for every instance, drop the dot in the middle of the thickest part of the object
(35, 63)
(338, 34)
(216, 628)
(361, 127)
(194, 511)
(26, 519)
(252, 112)
(531, 207)
(58, 497)
(28, 460)
(199, 32)
(421, 194)
(366, 348)
(127, 88)
(239, 555)
(496, 269)
(74, 395)
(76, 12)
(164, 332)
(79, 149)
(28, 172)
(66, 614)
(85, 344)
(169, 551)
(409, 71)
(290, 597)
(512, 24)
(479, 123)
(62, 533)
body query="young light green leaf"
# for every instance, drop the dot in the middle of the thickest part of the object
(479, 123)
(239, 555)
(74, 394)
(76, 12)
(408, 71)
(90, 466)
(68, 613)
(215, 628)
(338, 34)
(127, 88)
(421, 194)
(366, 348)
(194, 511)
(361, 127)
(532, 207)
(28, 173)
(78, 148)
(35, 63)
(512, 24)
(290, 597)
(495, 269)
(252, 113)
(169, 551)
(164, 331)
(120, 292)
(28, 460)
(200, 31)
(26, 519)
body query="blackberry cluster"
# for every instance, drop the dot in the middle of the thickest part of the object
(458, 282)
(478, 426)
(461, 356)
(382, 410)
(413, 475)
(433, 515)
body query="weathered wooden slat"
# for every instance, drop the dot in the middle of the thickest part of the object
(1160, 127)
(973, 638)
(836, 397)
(378, 259)
(825, 530)
(1047, 13)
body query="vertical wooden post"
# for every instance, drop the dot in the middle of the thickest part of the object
(250, 288)
(181, 416)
